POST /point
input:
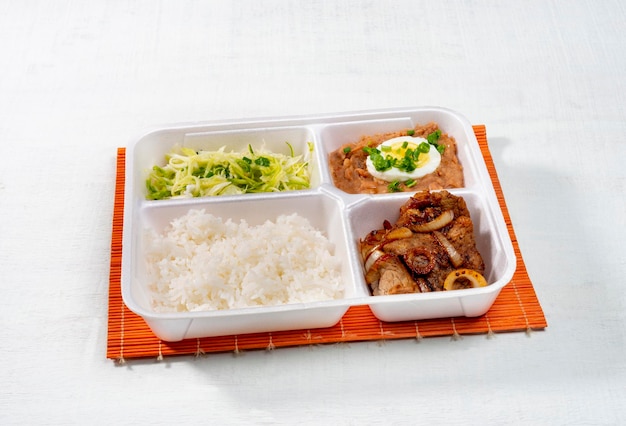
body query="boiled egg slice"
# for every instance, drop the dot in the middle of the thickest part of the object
(426, 163)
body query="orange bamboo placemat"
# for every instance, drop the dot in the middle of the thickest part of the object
(516, 308)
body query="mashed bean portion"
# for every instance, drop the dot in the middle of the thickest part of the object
(350, 174)
(201, 262)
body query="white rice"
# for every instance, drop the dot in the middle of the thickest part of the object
(202, 263)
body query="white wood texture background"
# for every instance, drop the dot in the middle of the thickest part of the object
(79, 79)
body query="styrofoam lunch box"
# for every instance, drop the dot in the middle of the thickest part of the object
(343, 218)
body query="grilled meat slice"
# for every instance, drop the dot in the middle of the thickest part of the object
(393, 278)
(461, 236)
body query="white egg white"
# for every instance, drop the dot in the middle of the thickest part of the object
(428, 162)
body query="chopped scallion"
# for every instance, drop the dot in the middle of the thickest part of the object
(262, 161)
(394, 186)
(433, 137)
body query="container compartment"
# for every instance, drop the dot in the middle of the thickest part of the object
(334, 135)
(491, 242)
(151, 149)
(323, 211)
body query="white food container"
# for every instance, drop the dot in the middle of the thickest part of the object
(343, 218)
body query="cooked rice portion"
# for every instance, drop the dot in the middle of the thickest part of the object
(201, 262)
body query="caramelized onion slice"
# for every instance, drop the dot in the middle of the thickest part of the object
(366, 250)
(372, 265)
(454, 255)
(394, 234)
(476, 279)
(372, 257)
(398, 234)
(437, 223)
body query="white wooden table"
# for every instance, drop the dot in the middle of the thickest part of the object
(79, 79)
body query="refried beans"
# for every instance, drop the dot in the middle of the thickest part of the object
(350, 174)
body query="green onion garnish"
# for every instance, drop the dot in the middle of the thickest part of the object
(394, 186)
(262, 161)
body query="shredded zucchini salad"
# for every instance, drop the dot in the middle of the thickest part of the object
(191, 173)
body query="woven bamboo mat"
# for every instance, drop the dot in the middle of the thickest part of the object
(516, 308)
